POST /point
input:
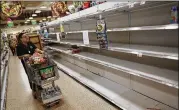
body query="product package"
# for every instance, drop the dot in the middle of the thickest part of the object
(86, 4)
(62, 31)
(37, 58)
(101, 34)
(174, 14)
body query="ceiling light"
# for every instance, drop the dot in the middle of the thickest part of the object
(28, 20)
(30, 17)
(49, 17)
(40, 21)
(44, 19)
(37, 11)
(34, 14)
(43, 7)
(54, 16)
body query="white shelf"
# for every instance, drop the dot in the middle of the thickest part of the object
(157, 27)
(119, 95)
(154, 51)
(156, 74)
(4, 83)
(104, 9)
(95, 10)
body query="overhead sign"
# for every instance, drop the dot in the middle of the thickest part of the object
(11, 9)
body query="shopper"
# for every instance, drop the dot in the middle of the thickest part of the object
(13, 44)
(25, 49)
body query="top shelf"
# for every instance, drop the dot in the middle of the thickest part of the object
(95, 10)
(107, 8)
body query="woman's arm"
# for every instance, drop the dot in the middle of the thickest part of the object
(24, 56)
(39, 51)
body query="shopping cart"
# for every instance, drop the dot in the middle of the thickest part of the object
(41, 78)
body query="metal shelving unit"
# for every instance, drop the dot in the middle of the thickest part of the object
(142, 54)
(123, 97)
(4, 76)
(147, 72)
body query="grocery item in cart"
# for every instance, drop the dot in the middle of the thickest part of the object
(37, 58)
(46, 73)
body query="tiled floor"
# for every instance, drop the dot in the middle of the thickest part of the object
(75, 96)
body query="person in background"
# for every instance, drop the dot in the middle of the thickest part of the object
(13, 44)
(25, 49)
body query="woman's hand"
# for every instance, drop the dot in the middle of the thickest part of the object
(42, 52)
(26, 55)
(39, 51)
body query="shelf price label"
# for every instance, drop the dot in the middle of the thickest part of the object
(85, 37)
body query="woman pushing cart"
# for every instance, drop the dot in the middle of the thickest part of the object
(41, 71)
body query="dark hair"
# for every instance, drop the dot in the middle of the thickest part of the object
(19, 37)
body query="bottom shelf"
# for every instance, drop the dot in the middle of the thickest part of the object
(121, 96)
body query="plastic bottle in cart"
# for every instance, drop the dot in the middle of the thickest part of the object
(174, 14)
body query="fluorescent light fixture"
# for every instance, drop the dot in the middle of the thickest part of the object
(30, 17)
(43, 7)
(34, 14)
(142, 2)
(49, 17)
(37, 11)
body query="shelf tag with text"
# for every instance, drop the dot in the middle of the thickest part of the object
(85, 37)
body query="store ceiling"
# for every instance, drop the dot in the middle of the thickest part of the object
(29, 7)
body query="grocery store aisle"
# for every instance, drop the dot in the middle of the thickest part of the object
(75, 96)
